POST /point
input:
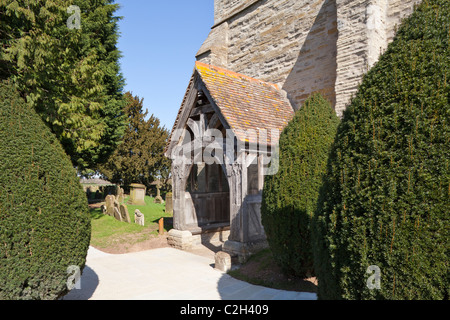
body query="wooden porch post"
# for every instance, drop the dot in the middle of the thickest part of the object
(237, 178)
(180, 173)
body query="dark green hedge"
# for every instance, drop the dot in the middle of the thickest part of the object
(44, 217)
(385, 201)
(290, 196)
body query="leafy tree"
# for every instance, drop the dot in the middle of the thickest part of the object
(44, 217)
(385, 200)
(69, 76)
(140, 157)
(290, 196)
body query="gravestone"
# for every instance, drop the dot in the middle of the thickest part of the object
(124, 213)
(158, 198)
(121, 196)
(137, 194)
(117, 214)
(139, 218)
(169, 203)
(110, 199)
(103, 208)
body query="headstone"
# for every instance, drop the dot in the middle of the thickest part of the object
(169, 203)
(110, 199)
(137, 194)
(222, 261)
(117, 214)
(124, 213)
(121, 196)
(139, 218)
(158, 198)
(103, 208)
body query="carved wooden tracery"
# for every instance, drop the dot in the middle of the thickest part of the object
(243, 204)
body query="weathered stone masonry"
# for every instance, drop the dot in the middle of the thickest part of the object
(305, 46)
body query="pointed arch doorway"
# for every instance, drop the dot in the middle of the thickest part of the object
(208, 198)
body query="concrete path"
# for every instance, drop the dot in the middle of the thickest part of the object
(166, 274)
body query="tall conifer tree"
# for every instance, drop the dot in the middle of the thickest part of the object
(62, 56)
(140, 157)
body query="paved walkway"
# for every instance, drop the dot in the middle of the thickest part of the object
(166, 274)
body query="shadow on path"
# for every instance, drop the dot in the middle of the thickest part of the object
(89, 282)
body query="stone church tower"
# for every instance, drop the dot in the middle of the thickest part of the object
(304, 46)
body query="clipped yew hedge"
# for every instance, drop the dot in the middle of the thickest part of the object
(385, 201)
(44, 217)
(290, 196)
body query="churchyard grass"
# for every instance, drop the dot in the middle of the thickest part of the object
(106, 230)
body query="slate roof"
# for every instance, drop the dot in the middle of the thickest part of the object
(244, 102)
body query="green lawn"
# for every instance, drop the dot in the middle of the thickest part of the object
(106, 230)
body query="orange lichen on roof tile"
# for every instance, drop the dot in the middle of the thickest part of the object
(203, 67)
(246, 103)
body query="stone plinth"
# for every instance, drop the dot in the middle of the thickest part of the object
(222, 261)
(180, 239)
(137, 194)
(243, 250)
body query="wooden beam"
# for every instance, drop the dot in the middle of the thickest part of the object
(195, 128)
(260, 172)
(213, 121)
(249, 159)
(201, 110)
(186, 108)
(203, 124)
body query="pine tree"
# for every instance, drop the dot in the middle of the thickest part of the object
(140, 157)
(69, 76)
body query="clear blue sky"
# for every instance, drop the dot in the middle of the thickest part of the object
(158, 41)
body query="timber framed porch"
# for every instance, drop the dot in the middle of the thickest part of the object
(222, 146)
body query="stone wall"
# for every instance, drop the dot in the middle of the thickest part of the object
(365, 28)
(352, 44)
(305, 46)
(224, 9)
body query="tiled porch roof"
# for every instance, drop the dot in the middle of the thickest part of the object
(246, 103)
